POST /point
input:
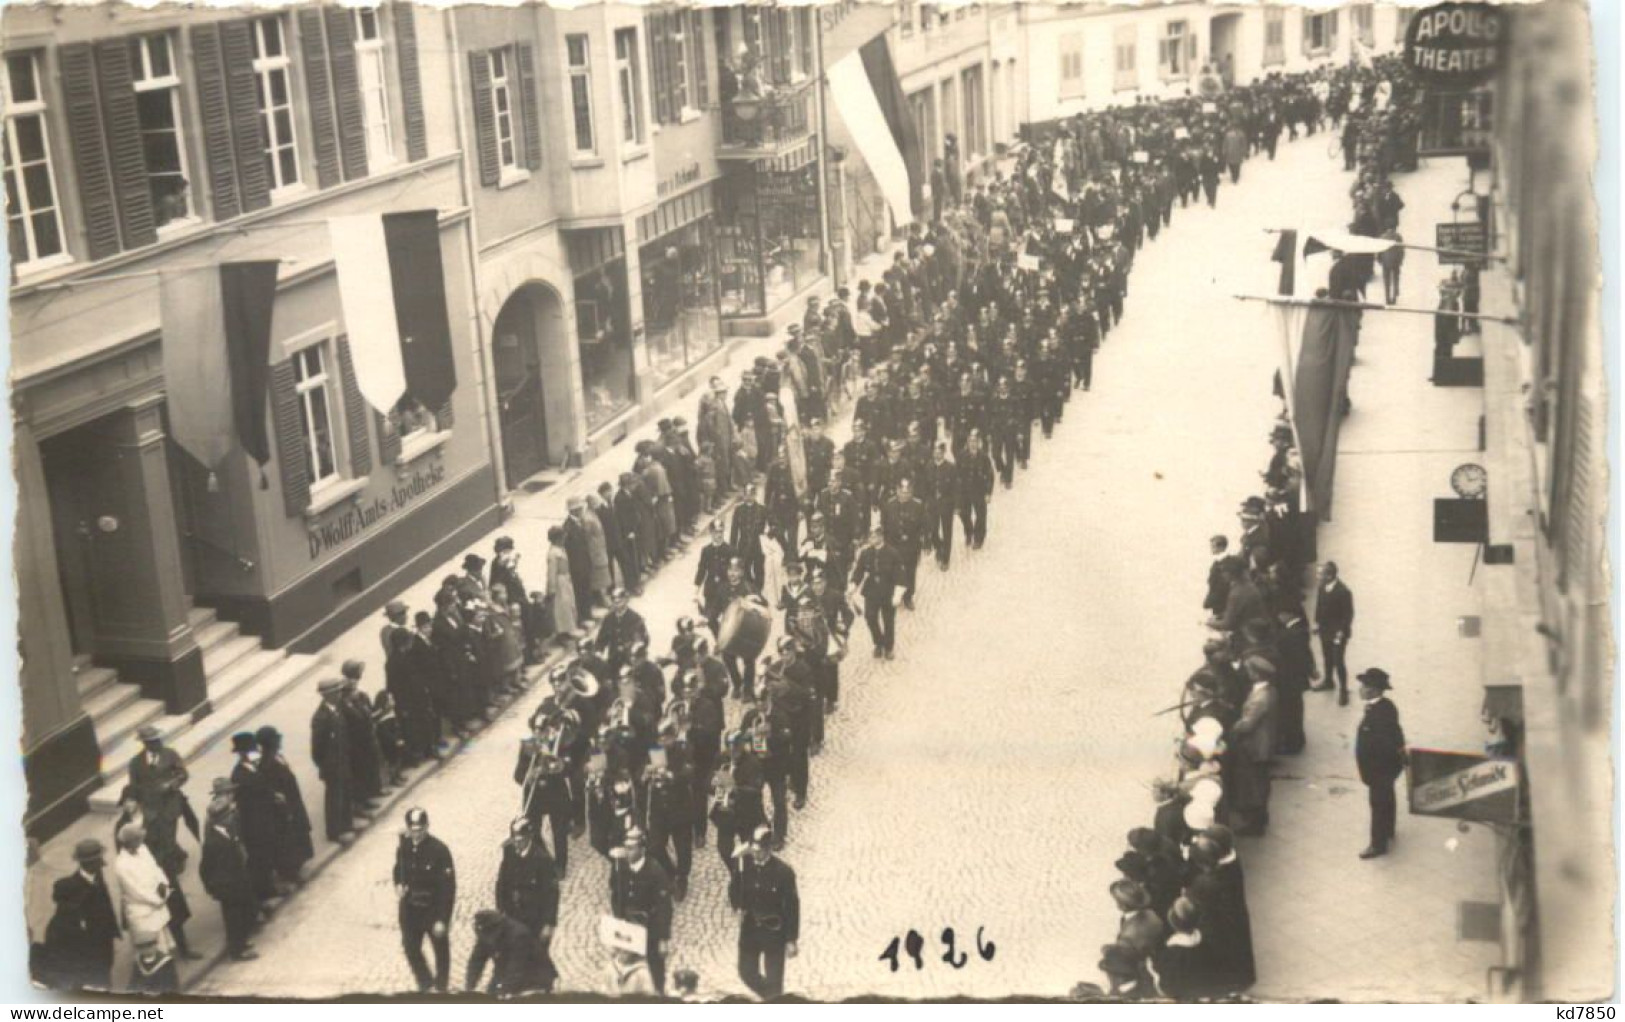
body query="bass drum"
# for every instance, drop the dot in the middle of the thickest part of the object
(744, 628)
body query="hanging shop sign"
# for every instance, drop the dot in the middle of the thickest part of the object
(1461, 239)
(1456, 45)
(1462, 786)
(364, 516)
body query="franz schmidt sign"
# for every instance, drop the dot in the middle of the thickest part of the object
(1463, 785)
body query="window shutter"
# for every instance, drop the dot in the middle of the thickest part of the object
(406, 54)
(216, 116)
(805, 15)
(527, 107)
(1190, 48)
(356, 413)
(237, 46)
(659, 76)
(123, 125)
(347, 92)
(778, 29)
(444, 417)
(1304, 38)
(389, 439)
(1331, 30)
(485, 125)
(702, 73)
(319, 91)
(290, 438)
(89, 150)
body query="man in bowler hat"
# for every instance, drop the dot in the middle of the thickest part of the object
(1379, 752)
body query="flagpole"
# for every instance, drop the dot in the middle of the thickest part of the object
(143, 274)
(1462, 253)
(1339, 304)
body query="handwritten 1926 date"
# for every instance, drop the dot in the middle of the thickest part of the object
(913, 945)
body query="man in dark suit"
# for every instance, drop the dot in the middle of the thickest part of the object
(941, 480)
(579, 553)
(1379, 752)
(625, 505)
(975, 487)
(1334, 621)
(157, 776)
(78, 949)
(330, 748)
(1218, 582)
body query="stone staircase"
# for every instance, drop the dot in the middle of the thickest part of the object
(242, 678)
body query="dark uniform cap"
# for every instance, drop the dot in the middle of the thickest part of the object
(417, 817)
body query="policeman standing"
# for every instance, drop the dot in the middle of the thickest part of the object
(527, 887)
(771, 921)
(426, 884)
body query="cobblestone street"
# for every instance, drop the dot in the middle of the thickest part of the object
(986, 777)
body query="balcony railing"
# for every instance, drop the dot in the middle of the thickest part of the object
(780, 115)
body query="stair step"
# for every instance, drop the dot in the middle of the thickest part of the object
(116, 762)
(225, 654)
(201, 617)
(91, 679)
(239, 710)
(226, 684)
(123, 724)
(213, 633)
(110, 699)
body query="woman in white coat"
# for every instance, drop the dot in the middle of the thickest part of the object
(143, 887)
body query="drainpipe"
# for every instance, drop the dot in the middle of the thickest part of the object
(826, 260)
(488, 397)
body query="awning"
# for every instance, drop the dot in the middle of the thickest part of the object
(672, 214)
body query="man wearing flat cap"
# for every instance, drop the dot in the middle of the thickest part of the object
(330, 749)
(1379, 752)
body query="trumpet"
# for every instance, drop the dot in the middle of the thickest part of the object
(677, 716)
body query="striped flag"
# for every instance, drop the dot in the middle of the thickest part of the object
(392, 287)
(1316, 344)
(869, 97)
(216, 323)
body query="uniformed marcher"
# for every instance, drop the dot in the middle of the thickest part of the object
(1379, 752)
(543, 775)
(426, 884)
(640, 892)
(527, 887)
(877, 574)
(770, 919)
(736, 804)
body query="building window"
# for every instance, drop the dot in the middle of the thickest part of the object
(411, 420)
(1365, 26)
(502, 111)
(369, 55)
(906, 14)
(316, 414)
(157, 104)
(630, 83)
(1274, 35)
(970, 82)
(1173, 54)
(578, 57)
(33, 218)
(1126, 74)
(275, 89)
(1317, 32)
(1071, 52)
(928, 18)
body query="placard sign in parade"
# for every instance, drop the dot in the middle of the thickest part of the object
(1456, 45)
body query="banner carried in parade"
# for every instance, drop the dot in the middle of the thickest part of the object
(869, 97)
(392, 287)
(216, 323)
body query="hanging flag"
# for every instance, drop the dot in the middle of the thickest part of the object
(1319, 387)
(869, 97)
(216, 323)
(392, 287)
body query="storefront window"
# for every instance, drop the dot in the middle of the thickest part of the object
(769, 238)
(605, 339)
(680, 299)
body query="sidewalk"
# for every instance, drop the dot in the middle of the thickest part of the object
(291, 714)
(1325, 923)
